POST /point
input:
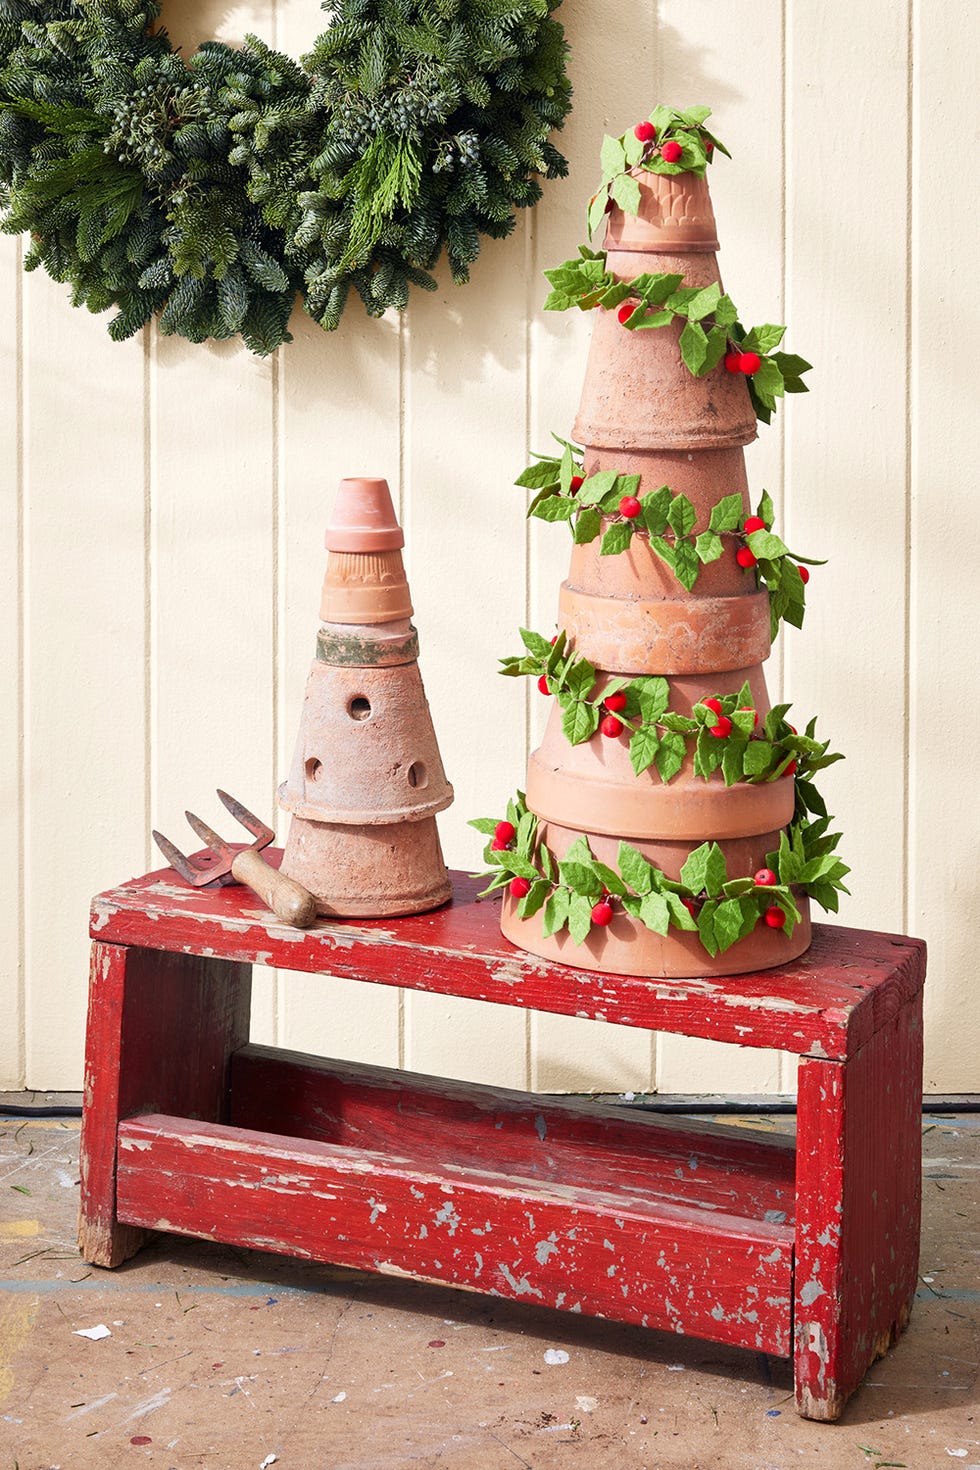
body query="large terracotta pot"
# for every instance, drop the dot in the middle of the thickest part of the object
(643, 412)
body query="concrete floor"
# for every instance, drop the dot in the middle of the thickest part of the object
(235, 1360)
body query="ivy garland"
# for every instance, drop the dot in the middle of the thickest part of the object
(610, 504)
(211, 192)
(725, 730)
(721, 910)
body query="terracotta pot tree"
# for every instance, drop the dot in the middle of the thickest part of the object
(670, 824)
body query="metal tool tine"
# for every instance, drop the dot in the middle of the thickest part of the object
(209, 837)
(250, 822)
(180, 863)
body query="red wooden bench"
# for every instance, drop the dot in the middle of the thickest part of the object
(807, 1251)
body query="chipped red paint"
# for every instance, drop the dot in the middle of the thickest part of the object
(697, 1228)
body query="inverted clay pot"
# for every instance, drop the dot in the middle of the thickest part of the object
(675, 215)
(366, 779)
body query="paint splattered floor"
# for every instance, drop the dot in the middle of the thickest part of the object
(234, 1360)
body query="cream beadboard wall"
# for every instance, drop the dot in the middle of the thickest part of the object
(163, 510)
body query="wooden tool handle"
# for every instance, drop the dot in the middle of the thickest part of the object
(287, 899)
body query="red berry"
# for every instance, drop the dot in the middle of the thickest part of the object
(498, 846)
(712, 704)
(519, 887)
(615, 702)
(792, 727)
(749, 363)
(745, 557)
(626, 311)
(644, 132)
(732, 360)
(721, 727)
(576, 483)
(709, 147)
(543, 685)
(504, 832)
(602, 913)
(629, 507)
(611, 726)
(744, 709)
(691, 907)
(754, 523)
(790, 769)
(765, 878)
(804, 574)
(774, 917)
(671, 152)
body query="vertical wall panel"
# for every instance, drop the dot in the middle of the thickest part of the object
(85, 653)
(465, 430)
(213, 693)
(945, 670)
(846, 442)
(11, 634)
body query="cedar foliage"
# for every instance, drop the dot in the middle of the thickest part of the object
(209, 193)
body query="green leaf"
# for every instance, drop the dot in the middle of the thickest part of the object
(635, 869)
(579, 678)
(657, 319)
(664, 550)
(726, 515)
(556, 912)
(611, 881)
(767, 380)
(680, 914)
(626, 192)
(518, 867)
(681, 516)
(617, 538)
(656, 289)
(644, 744)
(670, 756)
(695, 868)
(731, 761)
(579, 918)
(717, 347)
(633, 148)
(708, 546)
(526, 830)
(579, 721)
(554, 508)
(596, 487)
(765, 545)
(587, 526)
(655, 913)
(486, 825)
(533, 899)
(758, 757)
(580, 879)
(726, 313)
(652, 693)
(715, 870)
(763, 339)
(704, 303)
(765, 509)
(612, 157)
(655, 507)
(694, 347)
(539, 476)
(728, 921)
(706, 926)
(792, 366)
(686, 563)
(597, 210)
(535, 643)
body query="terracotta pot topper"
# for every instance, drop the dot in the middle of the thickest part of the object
(366, 778)
(670, 825)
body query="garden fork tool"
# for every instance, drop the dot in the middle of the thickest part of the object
(224, 864)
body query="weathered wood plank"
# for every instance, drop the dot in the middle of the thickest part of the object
(858, 1210)
(445, 1124)
(161, 1030)
(826, 1004)
(561, 1246)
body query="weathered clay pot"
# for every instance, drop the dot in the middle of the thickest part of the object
(366, 778)
(642, 412)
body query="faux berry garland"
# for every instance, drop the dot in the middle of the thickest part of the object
(610, 504)
(667, 142)
(725, 730)
(214, 191)
(578, 892)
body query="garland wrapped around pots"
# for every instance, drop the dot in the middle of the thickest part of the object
(211, 192)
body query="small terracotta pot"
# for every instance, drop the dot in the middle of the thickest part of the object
(675, 215)
(626, 947)
(392, 868)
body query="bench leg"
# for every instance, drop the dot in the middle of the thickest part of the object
(160, 1034)
(859, 1192)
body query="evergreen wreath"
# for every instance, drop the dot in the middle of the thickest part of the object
(211, 192)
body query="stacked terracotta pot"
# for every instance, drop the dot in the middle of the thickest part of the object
(366, 780)
(642, 412)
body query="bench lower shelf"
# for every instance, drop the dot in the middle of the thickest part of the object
(672, 1224)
